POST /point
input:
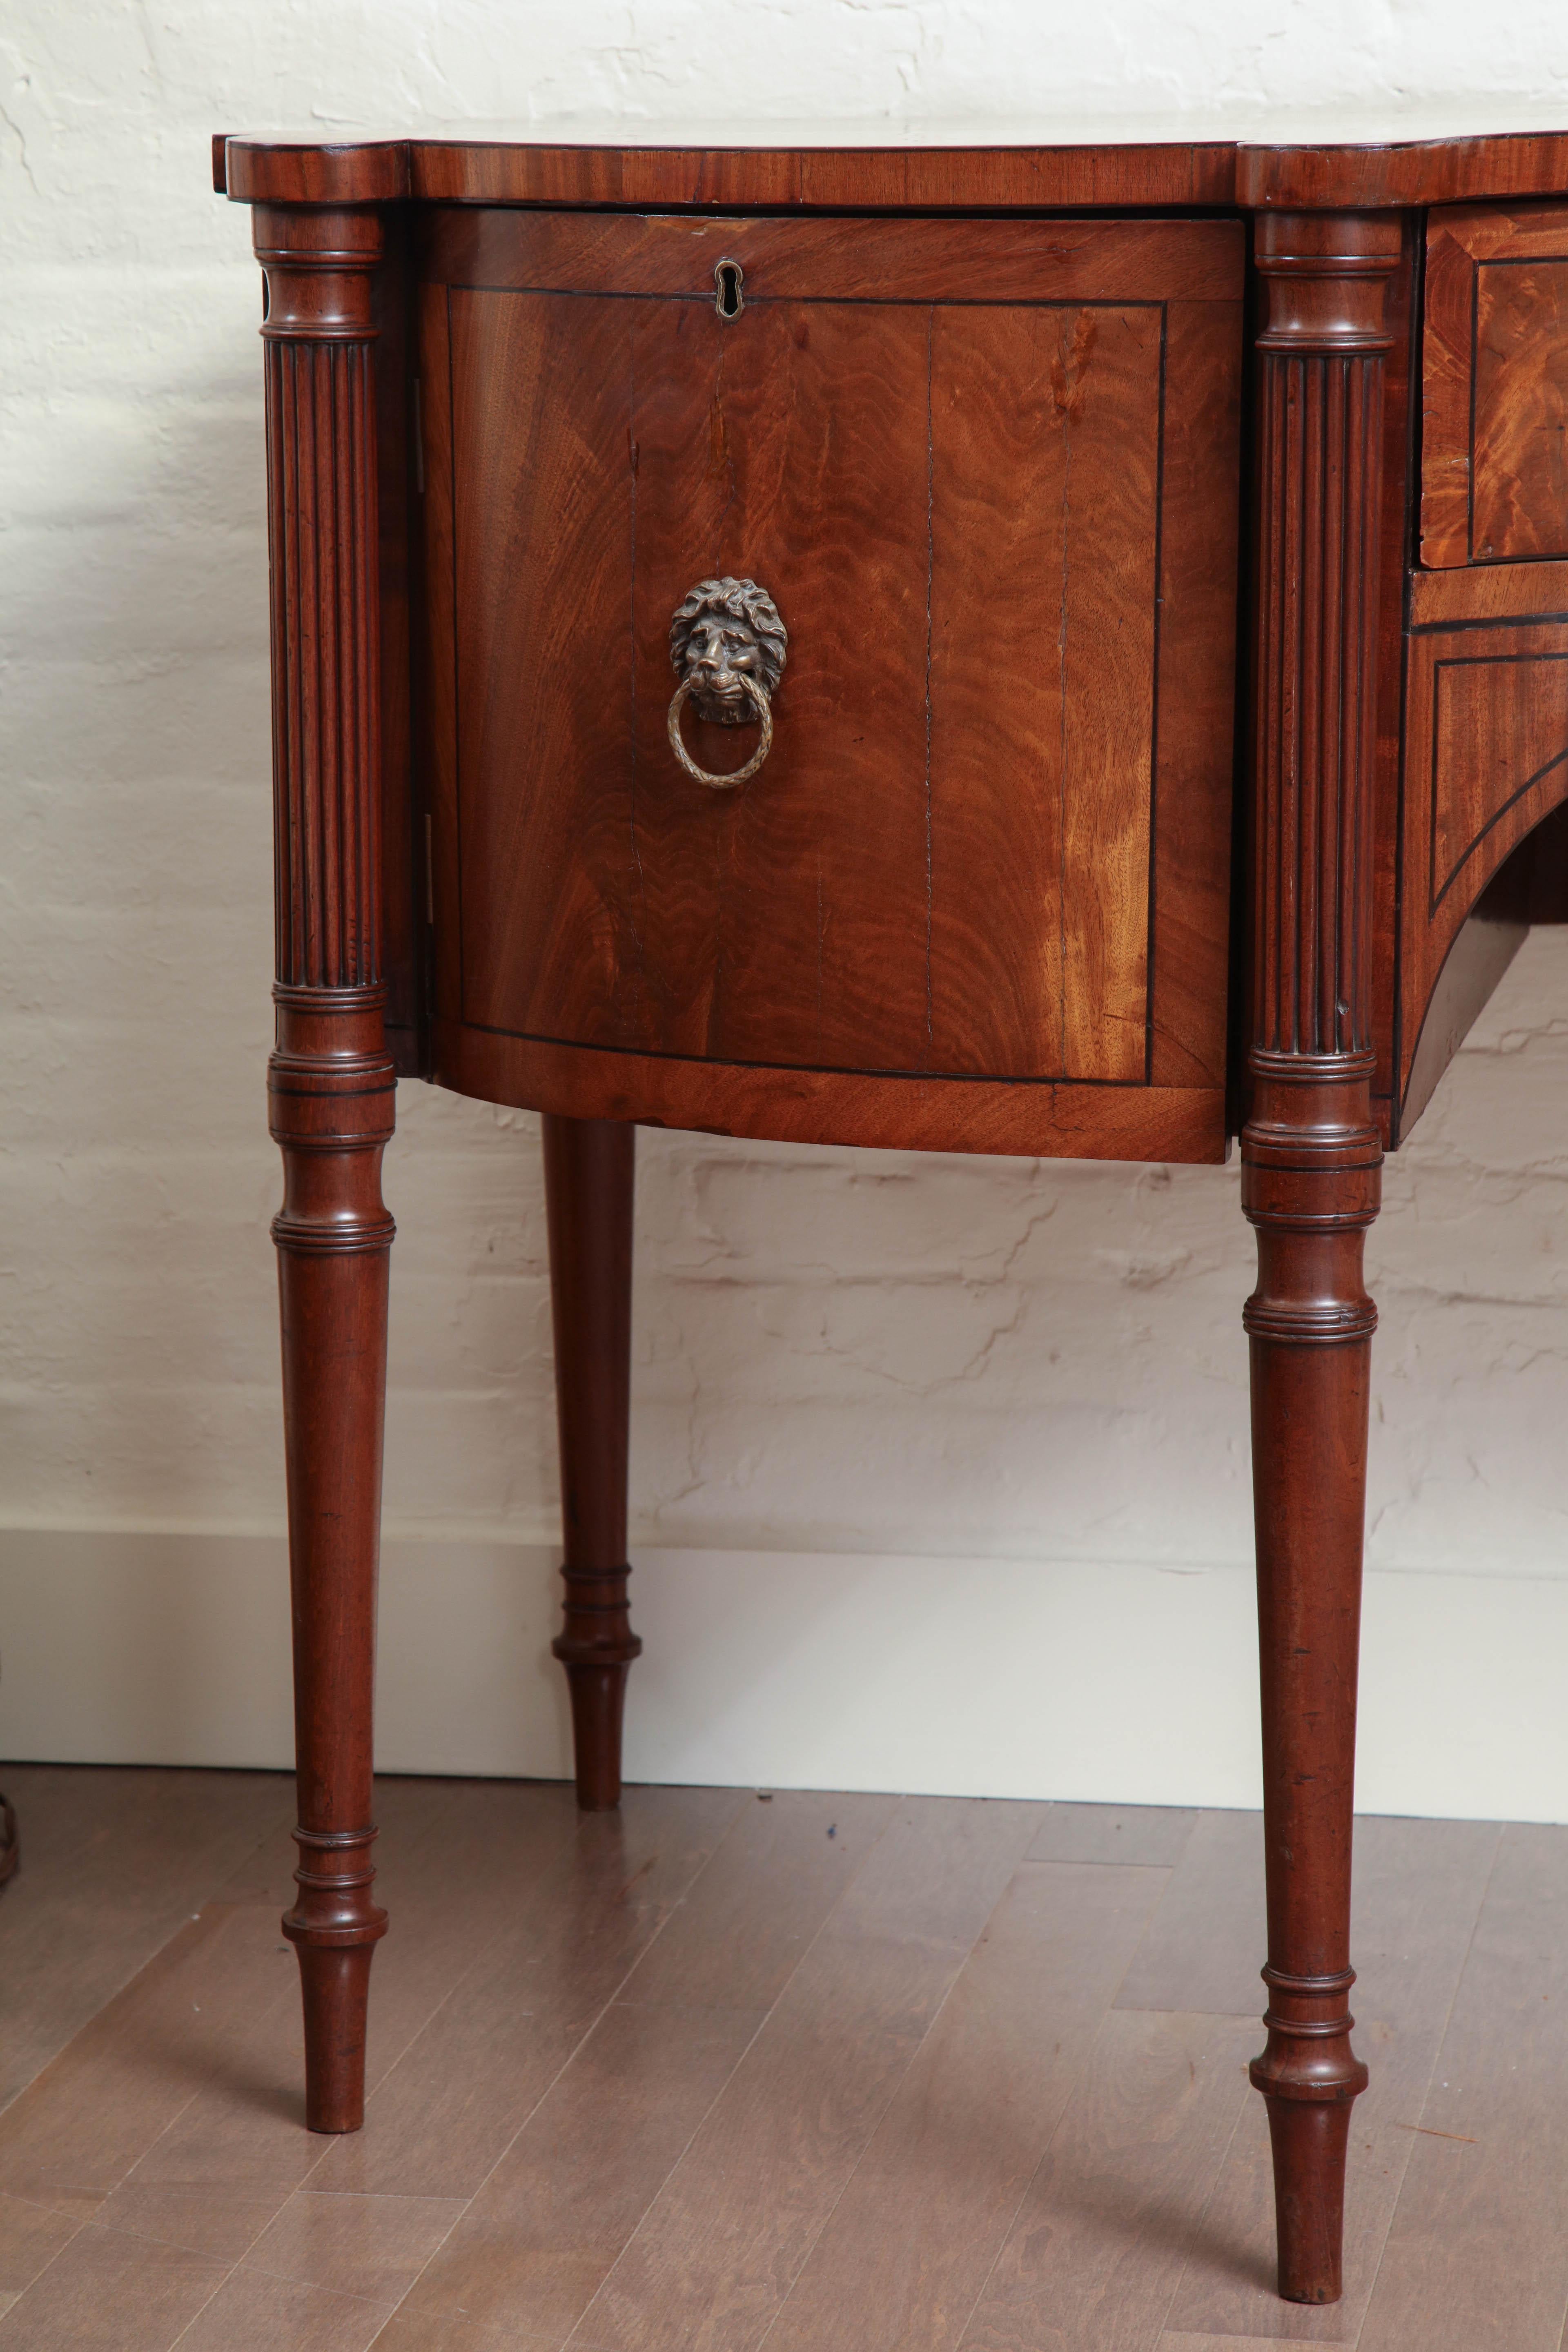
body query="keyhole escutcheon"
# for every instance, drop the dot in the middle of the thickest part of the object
(728, 277)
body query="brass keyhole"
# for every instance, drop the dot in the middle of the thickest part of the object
(728, 277)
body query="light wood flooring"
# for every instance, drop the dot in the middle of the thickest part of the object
(817, 2073)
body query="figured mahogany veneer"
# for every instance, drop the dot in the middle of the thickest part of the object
(990, 472)
(1494, 480)
(994, 471)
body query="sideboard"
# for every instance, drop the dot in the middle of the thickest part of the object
(1046, 650)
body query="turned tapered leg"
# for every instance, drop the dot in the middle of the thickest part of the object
(1312, 1191)
(1310, 1163)
(589, 1165)
(330, 1092)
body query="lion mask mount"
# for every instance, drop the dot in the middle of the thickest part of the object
(724, 631)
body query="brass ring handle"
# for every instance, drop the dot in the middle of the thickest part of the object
(728, 648)
(764, 710)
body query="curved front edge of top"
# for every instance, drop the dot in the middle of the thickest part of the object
(1301, 176)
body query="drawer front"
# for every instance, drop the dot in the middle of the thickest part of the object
(1494, 467)
(987, 470)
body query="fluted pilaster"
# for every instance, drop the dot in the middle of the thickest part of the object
(320, 441)
(1321, 373)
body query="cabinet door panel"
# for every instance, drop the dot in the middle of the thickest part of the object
(950, 864)
(1495, 457)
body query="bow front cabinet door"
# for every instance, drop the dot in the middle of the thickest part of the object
(977, 894)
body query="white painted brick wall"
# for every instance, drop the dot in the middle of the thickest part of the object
(837, 1352)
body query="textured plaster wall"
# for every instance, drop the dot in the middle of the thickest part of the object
(837, 1352)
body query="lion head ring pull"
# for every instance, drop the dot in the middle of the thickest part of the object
(728, 647)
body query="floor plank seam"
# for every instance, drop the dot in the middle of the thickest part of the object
(386, 2196)
(1215, 2187)
(42, 2204)
(381, 2303)
(468, 2204)
(92, 2220)
(592, 2028)
(1171, 1870)
(1005, 2240)
(844, 2185)
(245, 1860)
(1089, 1861)
(871, 2137)
(175, 2341)
(570, 2338)
(1438, 2040)
(680, 2159)
(69, 1860)
(148, 2238)
(111, 1996)
(603, 2012)
(45, 2268)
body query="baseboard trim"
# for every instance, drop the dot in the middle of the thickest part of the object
(1121, 1682)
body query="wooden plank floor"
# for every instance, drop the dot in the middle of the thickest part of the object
(810, 2072)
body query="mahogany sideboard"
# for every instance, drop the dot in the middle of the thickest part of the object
(1050, 650)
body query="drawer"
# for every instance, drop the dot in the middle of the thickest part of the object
(1494, 464)
(987, 472)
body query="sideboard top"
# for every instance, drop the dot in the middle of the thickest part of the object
(1296, 176)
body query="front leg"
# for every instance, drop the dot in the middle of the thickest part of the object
(589, 1170)
(1311, 1162)
(331, 1091)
